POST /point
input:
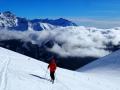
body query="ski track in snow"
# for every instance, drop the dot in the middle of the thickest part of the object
(16, 73)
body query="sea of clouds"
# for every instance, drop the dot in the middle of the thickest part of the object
(77, 41)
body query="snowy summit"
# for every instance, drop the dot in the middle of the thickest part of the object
(11, 22)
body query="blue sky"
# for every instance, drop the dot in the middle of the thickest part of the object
(91, 10)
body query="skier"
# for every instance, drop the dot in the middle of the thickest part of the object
(52, 67)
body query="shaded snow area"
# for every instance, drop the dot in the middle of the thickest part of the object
(19, 72)
(107, 65)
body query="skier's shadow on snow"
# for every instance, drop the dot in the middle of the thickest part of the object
(40, 77)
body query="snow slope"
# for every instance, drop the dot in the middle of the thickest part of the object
(108, 64)
(16, 70)
(106, 67)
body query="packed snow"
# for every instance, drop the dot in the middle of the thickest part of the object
(16, 70)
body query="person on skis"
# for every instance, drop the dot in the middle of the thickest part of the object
(52, 67)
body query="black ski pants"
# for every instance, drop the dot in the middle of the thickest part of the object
(52, 75)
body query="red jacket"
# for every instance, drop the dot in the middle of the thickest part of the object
(52, 65)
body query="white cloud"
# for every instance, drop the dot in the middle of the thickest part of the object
(70, 41)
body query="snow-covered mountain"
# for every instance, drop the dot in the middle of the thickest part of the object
(11, 22)
(58, 22)
(16, 70)
(108, 65)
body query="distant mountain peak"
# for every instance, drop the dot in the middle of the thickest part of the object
(8, 14)
(10, 21)
(57, 22)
